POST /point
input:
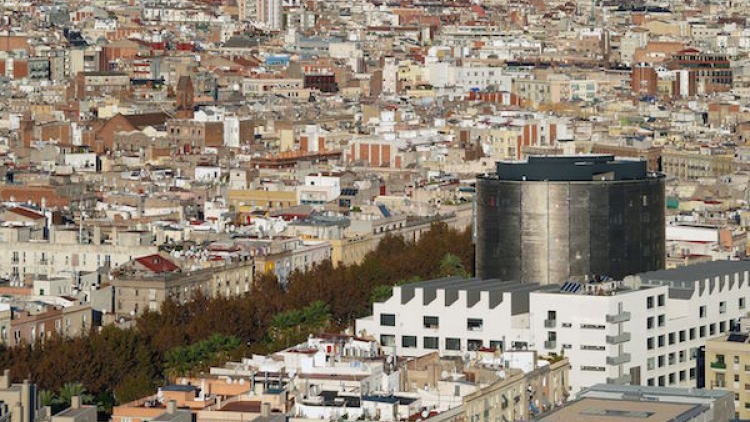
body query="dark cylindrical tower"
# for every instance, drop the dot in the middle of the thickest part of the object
(555, 219)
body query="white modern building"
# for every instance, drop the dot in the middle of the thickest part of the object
(644, 330)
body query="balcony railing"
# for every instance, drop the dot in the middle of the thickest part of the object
(718, 365)
(618, 360)
(619, 338)
(550, 344)
(617, 318)
(550, 323)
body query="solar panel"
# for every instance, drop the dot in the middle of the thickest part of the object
(384, 211)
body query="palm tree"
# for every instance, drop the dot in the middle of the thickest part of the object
(451, 265)
(46, 397)
(71, 389)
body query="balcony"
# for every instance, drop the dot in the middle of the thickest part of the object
(550, 344)
(618, 360)
(550, 323)
(719, 365)
(618, 318)
(619, 338)
(43, 261)
(623, 379)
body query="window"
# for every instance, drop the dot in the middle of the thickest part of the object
(452, 344)
(474, 344)
(661, 361)
(661, 320)
(712, 329)
(409, 341)
(387, 340)
(649, 323)
(650, 302)
(496, 344)
(742, 303)
(431, 343)
(702, 311)
(660, 300)
(722, 307)
(661, 340)
(431, 322)
(671, 339)
(388, 320)
(703, 331)
(474, 324)
(650, 343)
(722, 326)
(650, 364)
(682, 336)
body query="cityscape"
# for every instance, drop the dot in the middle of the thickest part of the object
(374, 210)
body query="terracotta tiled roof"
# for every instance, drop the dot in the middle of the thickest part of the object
(25, 212)
(157, 264)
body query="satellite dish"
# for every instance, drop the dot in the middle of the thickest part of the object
(229, 380)
(502, 374)
(425, 413)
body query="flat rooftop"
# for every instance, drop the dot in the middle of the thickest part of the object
(573, 168)
(597, 410)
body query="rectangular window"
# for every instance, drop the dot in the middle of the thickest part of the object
(661, 340)
(409, 341)
(702, 311)
(452, 344)
(742, 303)
(431, 322)
(682, 336)
(722, 307)
(474, 345)
(387, 340)
(662, 320)
(660, 300)
(649, 323)
(431, 343)
(388, 320)
(474, 324)
(712, 329)
(692, 333)
(650, 343)
(496, 344)
(650, 302)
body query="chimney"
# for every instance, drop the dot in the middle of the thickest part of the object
(75, 402)
(5, 380)
(265, 409)
(171, 407)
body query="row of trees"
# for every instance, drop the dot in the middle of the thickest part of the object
(121, 365)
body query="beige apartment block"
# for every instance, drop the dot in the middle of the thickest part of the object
(728, 368)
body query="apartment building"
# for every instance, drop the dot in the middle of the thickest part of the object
(520, 395)
(692, 165)
(643, 330)
(146, 282)
(37, 321)
(727, 367)
(68, 249)
(21, 400)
